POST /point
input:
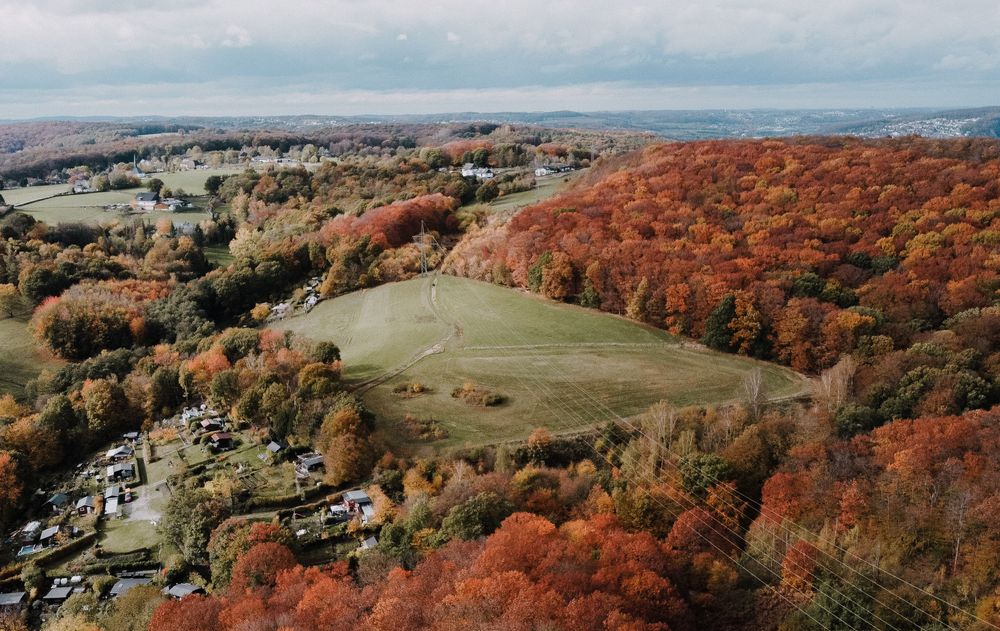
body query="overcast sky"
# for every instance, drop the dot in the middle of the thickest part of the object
(246, 57)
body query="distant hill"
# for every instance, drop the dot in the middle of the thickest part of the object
(675, 124)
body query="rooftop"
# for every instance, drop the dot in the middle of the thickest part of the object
(125, 584)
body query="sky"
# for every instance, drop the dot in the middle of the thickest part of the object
(340, 57)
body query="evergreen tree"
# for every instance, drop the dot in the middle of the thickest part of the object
(718, 335)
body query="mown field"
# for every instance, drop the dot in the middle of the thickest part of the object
(20, 359)
(546, 187)
(558, 366)
(38, 202)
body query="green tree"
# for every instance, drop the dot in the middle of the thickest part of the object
(853, 419)
(589, 297)
(701, 472)
(213, 183)
(487, 192)
(188, 520)
(477, 517)
(154, 185)
(718, 335)
(536, 271)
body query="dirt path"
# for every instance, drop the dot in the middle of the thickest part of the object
(434, 349)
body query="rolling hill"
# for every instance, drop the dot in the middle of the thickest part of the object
(557, 365)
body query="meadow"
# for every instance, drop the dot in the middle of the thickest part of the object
(20, 359)
(545, 188)
(38, 201)
(556, 365)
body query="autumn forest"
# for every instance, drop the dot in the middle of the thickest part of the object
(268, 496)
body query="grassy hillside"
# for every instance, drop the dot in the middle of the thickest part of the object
(557, 365)
(20, 359)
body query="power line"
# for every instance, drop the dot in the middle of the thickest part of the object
(586, 394)
(734, 540)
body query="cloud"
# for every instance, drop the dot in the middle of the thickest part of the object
(351, 45)
(237, 37)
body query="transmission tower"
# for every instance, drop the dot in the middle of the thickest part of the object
(426, 243)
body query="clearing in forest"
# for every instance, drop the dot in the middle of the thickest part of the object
(556, 365)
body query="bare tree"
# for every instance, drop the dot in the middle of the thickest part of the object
(754, 396)
(833, 388)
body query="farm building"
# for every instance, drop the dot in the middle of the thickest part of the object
(171, 204)
(58, 594)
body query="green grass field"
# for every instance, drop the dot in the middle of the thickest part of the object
(219, 254)
(17, 196)
(89, 207)
(559, 366)
(546, 188)
(20, 359)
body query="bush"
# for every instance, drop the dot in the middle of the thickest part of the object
(477, 396)
(853, 419)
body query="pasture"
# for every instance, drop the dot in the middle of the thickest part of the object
(545, 187)
(38, 202)
(20, 359)
(558, 366)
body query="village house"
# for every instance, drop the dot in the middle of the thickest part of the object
(86, 505)
(308, 463)
(145, 201)
(369, 543)
(222, 441)
(180, 590)
(48, 536)
(359, 503)
(82, 186)
(480, 173)
(120, 471)
(58, 502)
(211, 425)
(124, 452)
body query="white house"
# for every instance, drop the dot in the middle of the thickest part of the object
(480, 173)
(82, 186)
(145, 201)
